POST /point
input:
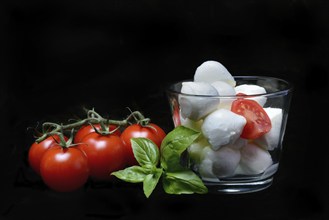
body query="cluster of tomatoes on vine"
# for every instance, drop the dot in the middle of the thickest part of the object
(66, 156)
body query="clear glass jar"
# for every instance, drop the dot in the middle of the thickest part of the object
(225, 161)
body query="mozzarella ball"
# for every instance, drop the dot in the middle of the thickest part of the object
(205, 171)
(222, 127)
(225, 162)
(249, 89)
(195, 150)
(224, 89)
(195, 125)
(254, 160)
(197, 107)
(211, 71)
(238, 144)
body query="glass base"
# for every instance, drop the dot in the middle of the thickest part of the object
(239, 187)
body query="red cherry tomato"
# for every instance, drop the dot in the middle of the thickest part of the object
(86, 129)
(152, 132)
(105, 154)
(241, 94)
(175, 112)
(37, 150)
(64, 169)
(258, 122)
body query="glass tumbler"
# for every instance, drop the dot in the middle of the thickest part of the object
(226, 160)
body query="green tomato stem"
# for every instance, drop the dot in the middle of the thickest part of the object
(92, 118)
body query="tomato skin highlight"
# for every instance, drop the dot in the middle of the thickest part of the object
(105, 154)
(64, 169)
(154, 133)
(37, 150)
(87, 129)
(258, 122)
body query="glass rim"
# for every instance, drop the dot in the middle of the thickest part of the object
(288, 88)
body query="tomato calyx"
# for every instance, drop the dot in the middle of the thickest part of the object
(139, 118)
(144, 122)
(62, 141)
(103, 130)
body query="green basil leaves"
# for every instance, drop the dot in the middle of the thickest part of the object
(176, 179)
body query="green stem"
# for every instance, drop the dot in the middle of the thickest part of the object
(92, 118)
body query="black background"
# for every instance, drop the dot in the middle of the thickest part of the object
(58, 57)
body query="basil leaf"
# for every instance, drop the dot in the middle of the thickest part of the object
(174, 144)
(183, 182)
(176, 178)
(173, 162)
(181, 134)
(133, 174)
(145, 151)
(150, 181)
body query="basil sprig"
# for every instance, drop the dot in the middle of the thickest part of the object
(153, 165)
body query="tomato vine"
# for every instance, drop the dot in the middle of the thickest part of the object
(51, 128)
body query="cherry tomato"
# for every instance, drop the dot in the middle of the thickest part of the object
(175, 112)
(64, 169)
(241, 94)
(152, 132)
(86, 129)
(258, 122)
(105, 154)
(37, 150)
